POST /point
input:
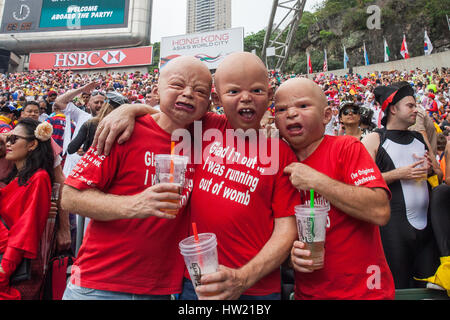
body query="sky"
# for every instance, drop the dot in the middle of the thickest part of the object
(169, 16)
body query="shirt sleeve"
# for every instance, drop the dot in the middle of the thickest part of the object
(11, 259)
(95, 171)
(359, 167)
(75, 113)
(213, 120)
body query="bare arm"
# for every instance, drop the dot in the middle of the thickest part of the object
(414, 171)
(119, 123)
(353, 200)
(434, 164)
(63, 238)
(229, 284)
(100, 206)
(371, 142)
(64, 99)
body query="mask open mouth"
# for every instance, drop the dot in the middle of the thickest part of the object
(184, 106)
(295, 129)
(247, 114)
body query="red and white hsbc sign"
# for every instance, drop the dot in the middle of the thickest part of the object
(99, 59)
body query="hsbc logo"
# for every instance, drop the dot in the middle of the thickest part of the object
(114, 57)
(85, 59)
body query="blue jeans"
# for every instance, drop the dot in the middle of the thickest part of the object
(189, 293)
(74, 292)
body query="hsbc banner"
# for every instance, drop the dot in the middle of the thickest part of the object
(209, 47)
(98, 59)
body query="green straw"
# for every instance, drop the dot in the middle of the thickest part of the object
(311, 203)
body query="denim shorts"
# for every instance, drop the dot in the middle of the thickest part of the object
(74, 292)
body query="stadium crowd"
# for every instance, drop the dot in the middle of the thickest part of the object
(74, 104)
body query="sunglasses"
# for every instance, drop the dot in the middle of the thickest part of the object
(347, 111)
(12, 139)
(97, 92)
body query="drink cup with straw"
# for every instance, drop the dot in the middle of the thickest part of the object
(311, 224)
(194, 229)
(200, 254)
(171, 168)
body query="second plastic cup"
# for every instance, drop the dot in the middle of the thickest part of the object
(417, 157)
(171, 169)
(311, 224)
(200, 256)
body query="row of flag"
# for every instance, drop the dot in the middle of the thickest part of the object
(428, 48)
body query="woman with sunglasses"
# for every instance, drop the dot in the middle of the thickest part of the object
(25, 201)
(350, 118)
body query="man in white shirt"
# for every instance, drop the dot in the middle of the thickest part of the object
(152, 98)
(332, 127)
(75, 114)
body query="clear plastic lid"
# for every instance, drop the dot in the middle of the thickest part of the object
(305, 209)
(166, 158)
(205, 242)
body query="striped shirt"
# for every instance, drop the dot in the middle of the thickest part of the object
(58, 121)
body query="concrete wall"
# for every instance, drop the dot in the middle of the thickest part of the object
(436, 60)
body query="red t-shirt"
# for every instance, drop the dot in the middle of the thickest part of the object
(237, 197)
(139, 256)
(355, 266)
(25, 211)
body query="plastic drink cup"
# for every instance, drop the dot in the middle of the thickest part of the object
(417, 157)
(171, 169)
(55, 191)
(311, 225)
(200, 256)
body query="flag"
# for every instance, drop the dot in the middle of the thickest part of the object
(366, 56)
(345, 58)
(404, 50)
(428, 47)
(387, 52)
(309, 67)
(325, 62)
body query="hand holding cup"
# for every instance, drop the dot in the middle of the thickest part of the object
(154, 200)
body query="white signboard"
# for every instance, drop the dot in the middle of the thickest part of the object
(210, 47)
(270, 52)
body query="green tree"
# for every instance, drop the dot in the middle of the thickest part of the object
(156, 56)
(254, 41)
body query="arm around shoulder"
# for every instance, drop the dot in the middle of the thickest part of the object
(119, 125)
